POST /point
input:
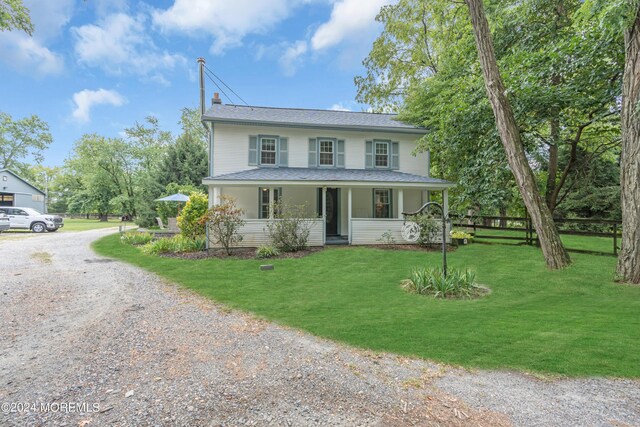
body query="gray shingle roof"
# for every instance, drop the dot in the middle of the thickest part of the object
(308, 118)
(328, 175)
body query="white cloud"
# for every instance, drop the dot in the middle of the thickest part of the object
(31, 53)
(119, 44)
(227, 21)
(291, 58)
(350, 20)
(339, 106)
(86, 99)
(27, 54)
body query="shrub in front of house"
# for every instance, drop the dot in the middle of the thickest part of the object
(136, 238)
(267, 252)
(431, 281)
(289, 230)
(189, 218)
(430, 227)
(224, 221)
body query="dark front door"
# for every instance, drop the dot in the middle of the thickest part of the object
(332, 210)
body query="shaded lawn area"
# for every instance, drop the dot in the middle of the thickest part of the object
(71, 224)
(589, 243)
(575, 322)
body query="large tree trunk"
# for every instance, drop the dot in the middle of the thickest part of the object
(629, 257)
(553, 250)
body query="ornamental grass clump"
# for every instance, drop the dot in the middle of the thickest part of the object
(174, 245)
(136, 238)
(264, 252)
(457, 284)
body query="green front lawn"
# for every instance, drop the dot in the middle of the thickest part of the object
(71, 224)
(575, 322)
(571, 242)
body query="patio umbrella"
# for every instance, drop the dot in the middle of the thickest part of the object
(178, 197)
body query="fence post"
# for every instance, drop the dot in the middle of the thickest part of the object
(615, 238)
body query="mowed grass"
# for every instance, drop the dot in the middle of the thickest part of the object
(71, 224)
(574, 322)
(571, 242)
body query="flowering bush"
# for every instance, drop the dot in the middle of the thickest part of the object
(225, 221)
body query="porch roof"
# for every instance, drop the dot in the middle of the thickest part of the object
(321, 177)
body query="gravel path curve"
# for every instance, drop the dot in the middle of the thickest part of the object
(90, 341)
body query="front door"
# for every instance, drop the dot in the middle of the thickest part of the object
(332, 202)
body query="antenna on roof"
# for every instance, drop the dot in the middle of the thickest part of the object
(211, 73)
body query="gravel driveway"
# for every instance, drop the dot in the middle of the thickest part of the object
(90, 341)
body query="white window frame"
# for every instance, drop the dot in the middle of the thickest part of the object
(261, 150)
(389, 202)
(387, 155)
(332, 142)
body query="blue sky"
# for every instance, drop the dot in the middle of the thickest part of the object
(98, 66)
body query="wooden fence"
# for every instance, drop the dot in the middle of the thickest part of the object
(566, 226)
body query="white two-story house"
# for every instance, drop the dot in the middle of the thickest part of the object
(355, 172)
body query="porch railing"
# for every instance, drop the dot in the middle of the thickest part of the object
(256, 234)
(369, 231)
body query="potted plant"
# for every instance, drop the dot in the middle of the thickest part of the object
(460, 237)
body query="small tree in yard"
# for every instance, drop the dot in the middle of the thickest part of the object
(289, 231)
(225, 221)
(189, 219)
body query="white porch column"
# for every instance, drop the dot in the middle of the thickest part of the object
(324, 214)
(214, 196)
(445, 201)
(349, 211)
(400, 202)
(271, 202)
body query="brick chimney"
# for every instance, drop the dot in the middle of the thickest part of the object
(216, 99)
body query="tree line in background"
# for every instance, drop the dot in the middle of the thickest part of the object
(523, 103)
(104, 176)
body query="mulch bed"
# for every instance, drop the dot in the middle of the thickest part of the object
(431, 248)
(250, 253)
(239, 253)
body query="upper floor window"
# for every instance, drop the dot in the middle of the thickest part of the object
(268, 151)
(382, 154)
(326, 152)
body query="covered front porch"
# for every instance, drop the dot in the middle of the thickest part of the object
(347, 211)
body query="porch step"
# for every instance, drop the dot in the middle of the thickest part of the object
(336, 240)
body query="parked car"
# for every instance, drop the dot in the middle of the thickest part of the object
(31, 219)
(4, 222)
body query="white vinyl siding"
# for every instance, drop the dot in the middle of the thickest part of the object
(231, 148)
(369, 231)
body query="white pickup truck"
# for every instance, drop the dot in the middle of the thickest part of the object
(31, 219)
